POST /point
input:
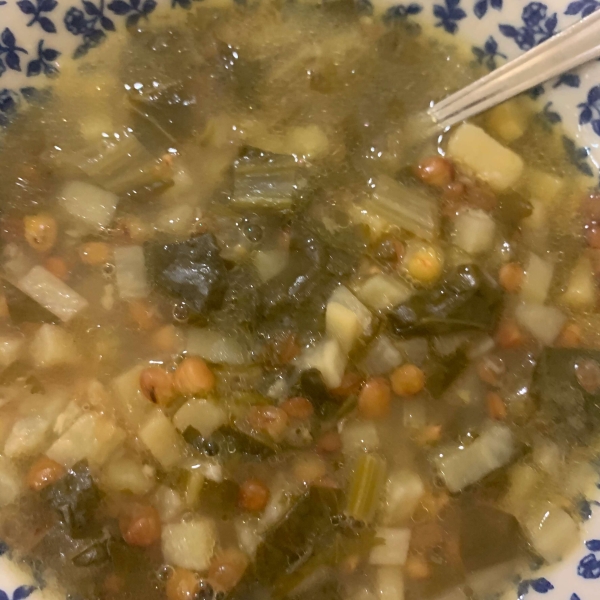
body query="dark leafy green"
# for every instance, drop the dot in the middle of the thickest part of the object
(220, 498)
(76, 498)
(95, 554)
(466, 299)
(230, 440)
(192, 271)
(23, 309)
(442, 371)
(311, 385)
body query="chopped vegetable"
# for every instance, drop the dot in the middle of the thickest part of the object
(404, 491)
(203, 415)
(53, 346)
(130, 270)
(508, 120)
(342, 325)
(382, 292)
(474, 231)
(544, 322)
(367, 486)
(359, 436)
(381, 356)
(461, 467)
(216, 347)
(52, 293)
(269, 263)
(393, 548)
(538, 276)
(229, 440)
(90, 205)
(489, 160)
(582, 290)
(390, 583)
(160, 437)
(342, 295)
(189, 544)
(329, 358)
(466, 299)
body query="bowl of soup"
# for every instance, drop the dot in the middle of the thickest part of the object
(263, 335)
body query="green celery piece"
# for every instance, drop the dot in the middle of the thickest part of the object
(366, 487)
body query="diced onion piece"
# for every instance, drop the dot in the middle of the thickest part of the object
(582, 291)
(90, 204)
(551, 531)
(329, 358)
(216, 347)
(342, 325)
(270, 263)
(10, 482)
(52, 346)
(382, 292)
(162, 439)
(11, 348)
(404, 492)
(130, 271)
(543, 322)
(359, 436)
(203, 415)
(489, 160)
(189, 544)
(52, 293)
(342, 295)
(538, 277)
(125, 474)
(92, 437)
(389, 583)
(474, 231)
(491, 450)
(382, 356)
(394, 547)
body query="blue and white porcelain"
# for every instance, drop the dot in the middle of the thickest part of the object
(39, 38)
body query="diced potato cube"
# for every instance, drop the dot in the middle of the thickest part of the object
(52, 293)
(176, 219)
(126, 474)
(342, 295)
(92, 437)
(543, 186)
(270, 263)
(582, 291)
(27, 437)
(382, 292)
(203, 415)
(538, 277)
(189, 544)
(131, 405)
(11, 349)
(404, 492)
(390, 583)
(474, 231)
(168, 502)
(162, 439)
(394, 547)
(342, 325)
(329, 358)
(471, 147)
(309, 142)
(52, 346)
(89, 204)
(10, 482)
(359, 436)
(130, 271)
(508, 120)
(543, 322)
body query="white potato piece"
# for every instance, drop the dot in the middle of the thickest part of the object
(189, 544)
(382, 292)
(11, 348)
(490, 161)
(52, 293)
(359, 436)
(342, 325)
(342, 295)
(389, 583)
(543, 322)
(215, 346)
(10, 482)
(130, 404)
(130, 272)
(92, 437)
(203, 415)
(89, 204)
(404, 492)
(53, 346)
(538, 277)
(508, 120)
(270, 263)
(474, 231)
(328, 357)
(127, 474)
(546, 187)
(160, 437)
(393, 549)
(582, 290)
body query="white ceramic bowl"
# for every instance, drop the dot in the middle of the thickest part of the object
(39, 37)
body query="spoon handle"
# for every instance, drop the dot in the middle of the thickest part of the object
(570, 48)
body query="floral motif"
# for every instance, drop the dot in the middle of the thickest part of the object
(535, 92)
(91, 25)
(538, 26)
(550, 117)
(9, 52)
(578, 156)
(132, 9)
(20, 593)
(488, 54)
(481, 7)
(540, 585)
(582, 7)
(449, 15)
(590, 110)
(569, 79)
(35, 10)
(401, 12)
(9, 102)
(574, 597)
(44, 61)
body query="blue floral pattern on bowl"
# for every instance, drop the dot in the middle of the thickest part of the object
(38, 38)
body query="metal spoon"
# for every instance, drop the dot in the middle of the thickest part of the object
(566, 50)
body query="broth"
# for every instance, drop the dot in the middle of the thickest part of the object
(261, 337)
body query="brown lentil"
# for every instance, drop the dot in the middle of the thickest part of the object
(182, 585)
(57, 266)
(329, 442)
(95, 253)
(226, 569)
(374, 398)
(41, 231)
(298, 408)
(253, 495)
(435, 170)
(511, 277)
(407, 380)
(157, 385)
(141, 525)
(496, 406)
(270, 419)
(509, 335)
(44, 472)
(193, 376)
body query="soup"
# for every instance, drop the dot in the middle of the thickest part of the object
(262, 336)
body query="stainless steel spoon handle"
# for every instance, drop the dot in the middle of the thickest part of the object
(566, 50)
